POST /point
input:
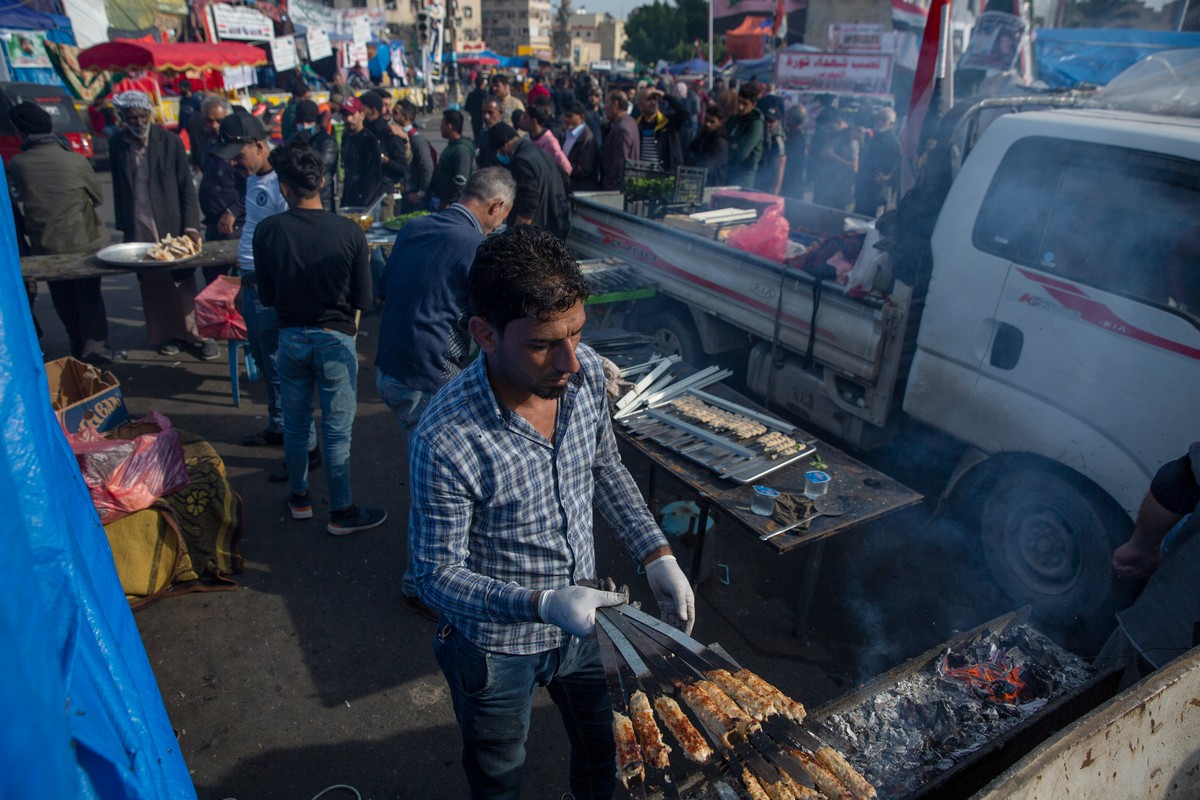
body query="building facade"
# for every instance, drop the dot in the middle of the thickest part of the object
(596, 37)
(518, 27)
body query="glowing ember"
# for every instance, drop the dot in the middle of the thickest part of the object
(994, 676)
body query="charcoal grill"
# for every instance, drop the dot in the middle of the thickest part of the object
(974, 770)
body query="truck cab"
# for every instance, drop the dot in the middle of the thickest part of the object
(1061, 335)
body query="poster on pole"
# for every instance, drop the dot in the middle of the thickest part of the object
(283, 53)
(995, 42)
(25, 48)
(360, 29)
(239, 77)
(354, 54)
(856, 37)
(843, 73)
(241, 23)
(318, 45)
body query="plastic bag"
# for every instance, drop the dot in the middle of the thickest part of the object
(767, 238)
(128, 475)
(217, 315)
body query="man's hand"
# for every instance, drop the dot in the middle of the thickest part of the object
(1133, 560)
(192, 234)
(676, 601)
(573, 608)
(414, 197)
(225, 224)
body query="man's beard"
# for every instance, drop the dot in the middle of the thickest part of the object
(551, 394)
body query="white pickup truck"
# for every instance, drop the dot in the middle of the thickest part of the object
(1046, 313)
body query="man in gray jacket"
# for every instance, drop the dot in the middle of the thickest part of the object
(59, 192)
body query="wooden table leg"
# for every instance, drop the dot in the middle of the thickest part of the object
(702, 552)
(802, 599)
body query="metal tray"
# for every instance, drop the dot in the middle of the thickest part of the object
(133, 254)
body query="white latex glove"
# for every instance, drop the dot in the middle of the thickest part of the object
(573, 608)
(676, 601)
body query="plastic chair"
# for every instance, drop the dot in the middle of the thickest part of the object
(251, 368)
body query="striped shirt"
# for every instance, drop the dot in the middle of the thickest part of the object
(499, 512)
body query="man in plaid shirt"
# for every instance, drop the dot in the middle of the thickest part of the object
(506, 466)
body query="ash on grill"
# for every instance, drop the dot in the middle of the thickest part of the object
(921, 726)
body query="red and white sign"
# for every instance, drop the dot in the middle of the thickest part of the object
(857, 38)
(241, 23)
(843, 73)
(354, 54)
(318, 45)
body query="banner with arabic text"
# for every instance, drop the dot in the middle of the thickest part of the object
(834, 72)
(730, 8)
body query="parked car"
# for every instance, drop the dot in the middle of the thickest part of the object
(57, 103)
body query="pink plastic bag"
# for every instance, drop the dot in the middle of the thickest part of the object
(217, 315)
(128, 475)
(767, 238)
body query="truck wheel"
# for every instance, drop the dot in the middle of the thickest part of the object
(675, 335)
(1048, 541)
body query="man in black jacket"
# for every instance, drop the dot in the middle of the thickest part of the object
(474, 105)
(310, 132)
(541, 196)
(222, 187)
(659, 128)
(492, 114)
(581, 149)
(420, 168)
(393, 148)
(362, 163)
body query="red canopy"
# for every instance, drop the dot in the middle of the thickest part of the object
(123, 55)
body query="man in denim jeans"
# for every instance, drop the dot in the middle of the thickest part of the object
(313, 268)
(423, 338)
(507, 467)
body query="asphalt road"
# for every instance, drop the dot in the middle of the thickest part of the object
(312, 674)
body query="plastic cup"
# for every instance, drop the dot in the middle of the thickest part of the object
(763, 500)
(816, 484)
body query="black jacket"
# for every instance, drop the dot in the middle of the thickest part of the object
(709, 149)
(362, 168)
(420, 169)
(670, 151)
(394, 148)
(541, 195)
(585, 162)
(223, 188)
(172, 193)
(327, 147)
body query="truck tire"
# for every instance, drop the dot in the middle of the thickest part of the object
(675, 335)
(1048, 540)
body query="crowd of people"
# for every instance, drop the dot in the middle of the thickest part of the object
(504, 566)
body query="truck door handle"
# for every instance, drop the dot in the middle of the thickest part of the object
(1006, 346)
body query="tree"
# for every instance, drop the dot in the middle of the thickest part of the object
(667, 30)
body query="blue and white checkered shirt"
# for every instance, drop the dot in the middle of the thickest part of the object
(499, 512)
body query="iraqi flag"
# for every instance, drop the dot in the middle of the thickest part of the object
(779, 28)
(923, 88)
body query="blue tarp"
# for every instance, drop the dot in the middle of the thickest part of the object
(83, 714)
(696, 65)
(1067, 57)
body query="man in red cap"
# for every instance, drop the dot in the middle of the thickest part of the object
(361, 157)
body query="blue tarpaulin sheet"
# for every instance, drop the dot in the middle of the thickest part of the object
(1068, 57)
(83, 714)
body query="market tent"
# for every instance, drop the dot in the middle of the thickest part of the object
(748, 39)
(697, 65)
(123, 55)
(85, 718)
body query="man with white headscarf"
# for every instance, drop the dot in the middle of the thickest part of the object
(153, 195)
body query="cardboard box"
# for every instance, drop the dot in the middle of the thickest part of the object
(84, 396)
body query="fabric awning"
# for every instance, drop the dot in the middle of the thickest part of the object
(125, 56)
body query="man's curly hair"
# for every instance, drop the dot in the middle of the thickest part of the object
(524, 272)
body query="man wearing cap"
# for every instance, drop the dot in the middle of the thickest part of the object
(310, 131)
(362, 163)
(59, 194)
(244, 142)
(153, 195)
(541, 195)
(393, 147)
(222, 186)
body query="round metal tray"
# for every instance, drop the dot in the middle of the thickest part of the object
(132, 255)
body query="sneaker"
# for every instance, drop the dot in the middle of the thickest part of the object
(209, 350)
(355, 518)
(106, 358)
(264, 438)
(300, 505)
(168, 349)
(280, 474)
(417, 606)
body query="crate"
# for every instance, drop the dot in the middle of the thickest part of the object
(646, 180)
(689, 185)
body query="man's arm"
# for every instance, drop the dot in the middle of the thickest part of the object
(459, 173)
(676, 112)
(439, 528)
(360, 273)
(91, 184)
(264, 267)
(525, 205)
(1174, 492)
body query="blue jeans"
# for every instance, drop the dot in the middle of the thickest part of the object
(407, 404)
(262, 334)
(326, 360)
(493, 696)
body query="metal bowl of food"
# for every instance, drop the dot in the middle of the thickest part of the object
(363, 216)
